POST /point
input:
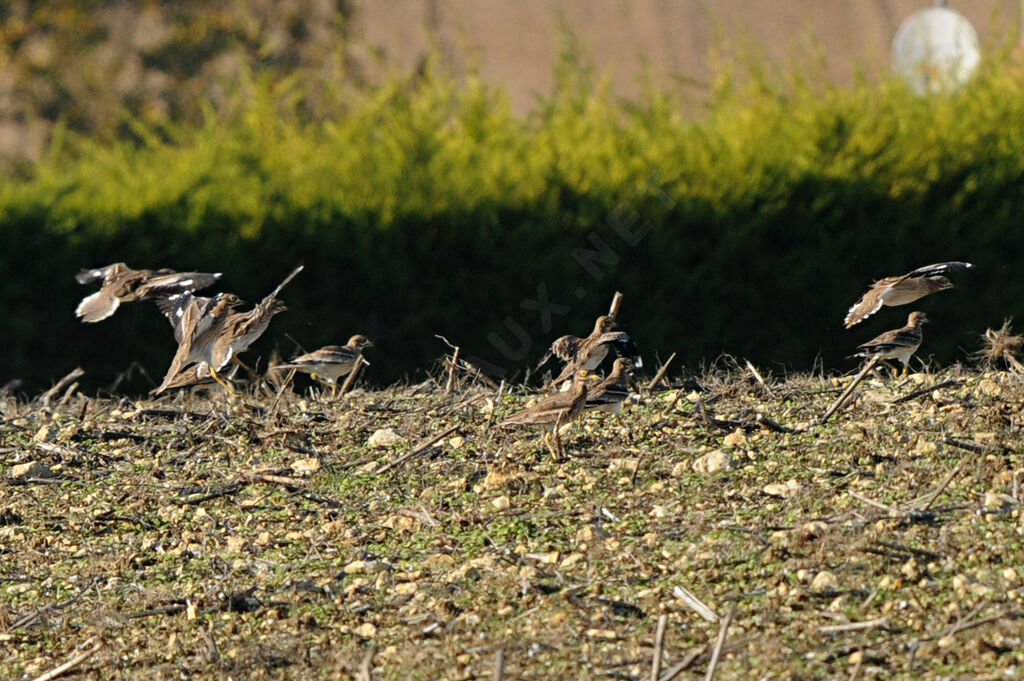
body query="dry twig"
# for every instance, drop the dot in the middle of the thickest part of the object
(717, 652)
(73, 662)
(661, 372)
(868, 366)
(659, 647)
(415, 452)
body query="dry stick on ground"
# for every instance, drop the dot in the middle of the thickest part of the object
(499, 665)
(282, 480)
(950, 383)
(774, 425)
(351, 377)
(366, 668)
(716, 654)
(759, 377)
(451, 371)
(849, 390)
(415, 452)
(67, 394)
(613, 311)
(33, 616)
(73, 662)
(969, 445)
(60, 385)
(497, 399)
(942, 487)
(696, 604)
(661, 372)
(853, 626)
(877, 504)
(972, 623)
(159, 610)
(675, 400)
(685, 663)
(659, 647)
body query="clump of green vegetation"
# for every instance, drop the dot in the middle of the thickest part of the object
(413, 204)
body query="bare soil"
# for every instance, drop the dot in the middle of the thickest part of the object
(207, 537)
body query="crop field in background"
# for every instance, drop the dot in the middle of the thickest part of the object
(202, 537)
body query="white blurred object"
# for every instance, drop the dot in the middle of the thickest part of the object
(935, 50)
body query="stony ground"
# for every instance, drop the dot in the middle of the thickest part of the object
(203, 537)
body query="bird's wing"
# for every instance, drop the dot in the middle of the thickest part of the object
(891, 340)
(284, 283)
(174, 307)
(185, 331)
(937, 269)
(176, 282)
(868, 305)
(99, 273)
(335, 355)
(564, 348)
(98, 306)
(624, 346)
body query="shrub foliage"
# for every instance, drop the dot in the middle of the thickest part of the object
(425, 206)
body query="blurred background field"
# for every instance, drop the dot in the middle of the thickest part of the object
(432, 184)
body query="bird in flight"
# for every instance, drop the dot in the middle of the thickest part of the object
(904, 289)
(121, 284)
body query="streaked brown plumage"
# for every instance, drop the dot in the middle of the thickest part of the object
(610, 393)
(588, 353)
(898, 344)
(197, 323)
(218, 334)
(553, 411)
(331, 362)
(196, 375)
(121, 284)
(903, 290)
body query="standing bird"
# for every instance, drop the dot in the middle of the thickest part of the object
(331, 362)
(554, 411)
(588, 353)
(121, 284)
(196, 312)
(197, 322)
(610, 393)
(216, 336)
(900, 344)
(903, 289)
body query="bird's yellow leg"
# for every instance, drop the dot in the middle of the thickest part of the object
(251, 372)
(559, 452)
(554, 444)
(213, 373)
(547, 443)
(890, 367)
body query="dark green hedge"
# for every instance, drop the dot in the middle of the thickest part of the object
(427, 208)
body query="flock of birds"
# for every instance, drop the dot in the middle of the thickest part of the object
(211, 334)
